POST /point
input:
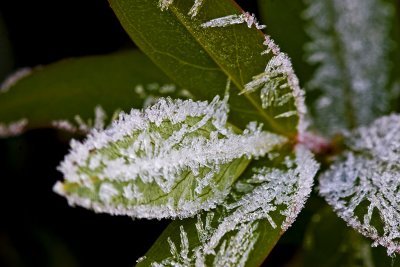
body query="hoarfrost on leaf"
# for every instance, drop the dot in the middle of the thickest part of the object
(82, 126)
(351, 49)
(194, 10)
(172, 159)
(363, 187)
(246, 17)
(12, 128)
(226, 236)
(278, 84)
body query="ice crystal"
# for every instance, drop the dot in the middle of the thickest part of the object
(246, 17)
(12, 128)
(363, 187)
(350, 46)
(194, 10)
(144, 164)
(286, 189)
(164, 4)
(233, 252)
(82, 126)
(14, 78)
(279, 84)
(228, 235)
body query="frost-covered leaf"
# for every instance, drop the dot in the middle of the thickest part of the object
(351, 47)
(329, 242)
(242, 231)
(363, 185)
(169, 160)
(66, 93)
(221, 41)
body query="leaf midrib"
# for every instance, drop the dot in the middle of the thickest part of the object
(238, 85)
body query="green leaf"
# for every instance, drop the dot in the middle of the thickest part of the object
(199, 55)
(329, 242)
(353, 65)
(71, 87)
(172, 159)
(244, 229)
(363, 185)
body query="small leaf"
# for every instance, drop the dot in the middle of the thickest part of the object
(173, 159)
(363, 185)
(63, 90)
(353, 65)
(242, 231)
(200, 50)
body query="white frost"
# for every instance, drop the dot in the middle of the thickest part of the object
(278, 83)
(82, 126)
(278, 76)
(285, 189)
(13, 128)
(363, 187)
(158, 146)
(194, 10)
(246, 17)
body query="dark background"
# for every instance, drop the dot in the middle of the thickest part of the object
(37, 227)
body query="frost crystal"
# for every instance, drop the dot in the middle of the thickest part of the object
(81, 126)
(246, 17)
(165, 4)
(283, 189)
(196, 8)
(279, 85)
(350, 47)
(13, 128)
(172, 159)
(228, 235)
(14, 78)
(363, 187)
